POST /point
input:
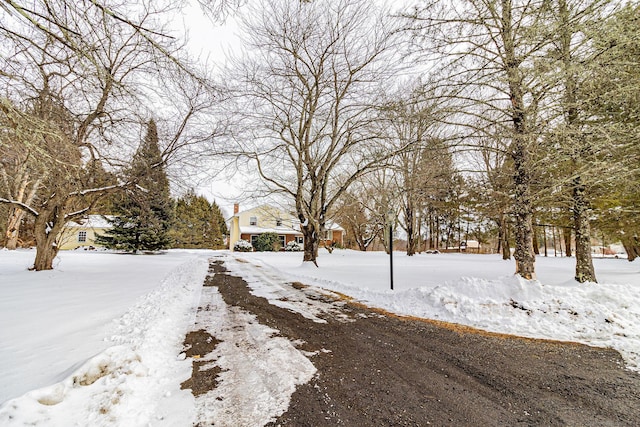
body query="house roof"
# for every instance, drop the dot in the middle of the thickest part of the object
(252, 229)
(91, 221)
(330, 225)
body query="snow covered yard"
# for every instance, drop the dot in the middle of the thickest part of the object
(114, 322)
(98, 341)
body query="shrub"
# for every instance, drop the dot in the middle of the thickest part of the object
(267, 242)
(242, 246)
(293, 246)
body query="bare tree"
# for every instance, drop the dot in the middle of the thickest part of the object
(307, 92)
(414, 116)
(75, 93)
(358, 212)
(491, 189)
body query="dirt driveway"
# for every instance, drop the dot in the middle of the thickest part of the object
(376, 369)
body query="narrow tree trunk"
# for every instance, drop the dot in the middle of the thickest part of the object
(584, 264)
(506, 249)
(560, 243)
(504, 235)
(536, 245)
(567, 241)
(13, 227)
(411, 238)
(544, 237)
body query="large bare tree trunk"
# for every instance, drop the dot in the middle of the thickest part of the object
(631, 246)
(311, 242)
(522, 209)
(525, 258)
(584, 263)
(48, 226)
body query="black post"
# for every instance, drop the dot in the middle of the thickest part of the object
(391, 252)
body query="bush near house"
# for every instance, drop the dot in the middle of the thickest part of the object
(267, 242)
(293, 246)
(242, 246)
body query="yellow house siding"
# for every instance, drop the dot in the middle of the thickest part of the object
(234, 233)
(270, 219)
(91, 226)
(70, 237)
(266, 216)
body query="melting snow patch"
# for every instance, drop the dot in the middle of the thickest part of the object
(260, 371)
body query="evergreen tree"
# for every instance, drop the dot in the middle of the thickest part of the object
(222, 224)
(614, 104)
(143, 217)
(198, 223)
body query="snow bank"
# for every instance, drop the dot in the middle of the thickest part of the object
(136, 379)
(480, 291)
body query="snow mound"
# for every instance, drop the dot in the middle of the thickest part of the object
(134, 381)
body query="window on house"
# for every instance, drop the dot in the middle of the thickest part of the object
(254, 237)
(300, 240)
(253, 220)
(282, 240)
(278, 222)
(82, 236)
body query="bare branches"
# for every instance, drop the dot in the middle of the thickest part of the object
(21, 205)
(307, 97)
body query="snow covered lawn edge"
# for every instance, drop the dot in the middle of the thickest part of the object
(137, 379)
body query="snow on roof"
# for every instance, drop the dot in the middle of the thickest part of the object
(252, 229)
(330, 225)
(91, 221)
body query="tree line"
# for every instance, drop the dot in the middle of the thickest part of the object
(147, 218)
(499, 115)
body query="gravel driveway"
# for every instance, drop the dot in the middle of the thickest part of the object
(377, 369)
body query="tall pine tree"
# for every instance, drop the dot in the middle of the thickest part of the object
(143, 217)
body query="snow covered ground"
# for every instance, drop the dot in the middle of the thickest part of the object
(98, 341)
